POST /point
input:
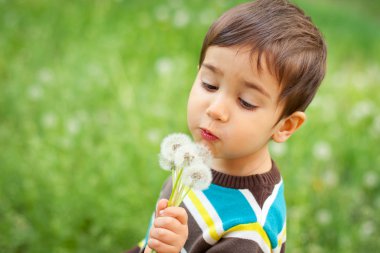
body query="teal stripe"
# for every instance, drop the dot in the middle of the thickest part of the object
(276, 217)
(231, 206)
(147, 232)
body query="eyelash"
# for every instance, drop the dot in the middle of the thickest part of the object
(247, 105)
(209, 87)
(243, 103)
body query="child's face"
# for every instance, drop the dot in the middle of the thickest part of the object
(233, 108)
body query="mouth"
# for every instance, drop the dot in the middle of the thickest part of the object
(207, 135)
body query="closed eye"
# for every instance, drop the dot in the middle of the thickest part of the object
(247, 105)
(209, 87)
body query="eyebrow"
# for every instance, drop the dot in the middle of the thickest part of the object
(257, 87)
(250, 85)
(212, 68)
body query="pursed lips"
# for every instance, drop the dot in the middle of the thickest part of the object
(208, 135)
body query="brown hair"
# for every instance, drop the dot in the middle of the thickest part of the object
(293, 47)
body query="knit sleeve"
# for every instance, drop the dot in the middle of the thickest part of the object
(228, 245)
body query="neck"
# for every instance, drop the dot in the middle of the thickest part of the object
(244, 166)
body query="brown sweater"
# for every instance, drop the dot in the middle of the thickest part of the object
(236, 214)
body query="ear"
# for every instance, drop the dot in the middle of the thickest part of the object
(287, 126)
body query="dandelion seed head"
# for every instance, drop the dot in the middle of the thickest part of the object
(186, 155)
(204, 153)
(165, 164)
(171, 143)
(197, 176)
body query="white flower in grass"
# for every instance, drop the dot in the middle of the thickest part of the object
(164, 66)
(322, 151)
(370, 179)
(197, 176)
(367, 229)
(171, 143)
(324, 217)
(181, 18)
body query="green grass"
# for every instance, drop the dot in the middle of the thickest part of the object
(89, 89)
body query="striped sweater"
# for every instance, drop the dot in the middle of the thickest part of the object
(236, 214)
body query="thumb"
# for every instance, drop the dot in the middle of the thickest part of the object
(161, 205)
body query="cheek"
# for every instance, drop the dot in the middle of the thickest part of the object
(196, 96)
(192, 106)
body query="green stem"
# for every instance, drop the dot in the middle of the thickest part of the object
(174, 190)
(183, 196)
(181, 193)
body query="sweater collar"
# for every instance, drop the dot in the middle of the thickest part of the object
(271, 177)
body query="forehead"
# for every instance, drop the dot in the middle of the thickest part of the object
(253, 60)
(243, 64)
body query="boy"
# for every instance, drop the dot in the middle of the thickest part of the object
(260, 66)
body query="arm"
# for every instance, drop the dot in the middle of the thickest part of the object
(230, 244)
(169, 230)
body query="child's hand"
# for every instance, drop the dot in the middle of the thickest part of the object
(169, 230)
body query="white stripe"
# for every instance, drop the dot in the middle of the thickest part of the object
(183, 250)
(254, 205)
(198, 218)
(281, 236)
(269, 201)
(250, 235)
(211, 211)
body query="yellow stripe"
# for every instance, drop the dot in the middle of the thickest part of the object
(281, 236)
(251, 227)
(205, 215)
(141, 244)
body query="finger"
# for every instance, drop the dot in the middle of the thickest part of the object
(161, 205)
(167, 222)
(161, 247)
(147, 250)
(164, 235)
(178, 213)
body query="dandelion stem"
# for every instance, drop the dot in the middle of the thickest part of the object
(174, 191)
(173, 177)
(184, 195)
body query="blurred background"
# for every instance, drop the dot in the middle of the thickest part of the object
(90, 88)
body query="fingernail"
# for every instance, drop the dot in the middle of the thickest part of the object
(161, 212)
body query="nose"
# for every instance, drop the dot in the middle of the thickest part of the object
(218, 109)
